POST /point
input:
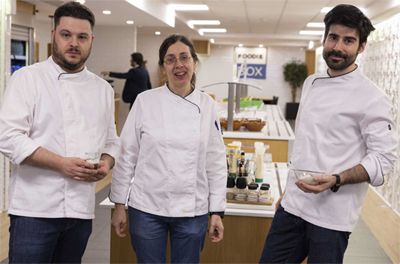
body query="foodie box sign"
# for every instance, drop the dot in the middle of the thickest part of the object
(255, 60)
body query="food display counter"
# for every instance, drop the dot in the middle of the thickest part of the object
(277, 133)
(245, 228)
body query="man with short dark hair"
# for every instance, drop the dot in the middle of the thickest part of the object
(137, 79)
(344, 129)
(53, 113)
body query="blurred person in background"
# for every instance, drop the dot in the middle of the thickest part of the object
(137, 79)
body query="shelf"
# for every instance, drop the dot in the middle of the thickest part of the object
(18, 57)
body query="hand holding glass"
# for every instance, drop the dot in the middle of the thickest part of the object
(307, 176)
(93, 157)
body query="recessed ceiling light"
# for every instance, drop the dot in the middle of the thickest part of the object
(261, 45)
(212, 30)
(80, 1)
(240, 45)
(311, 32)
(130, 22)
(158, 33)
(186, 7)
(106, 12)
(212, 40)
(316, 25)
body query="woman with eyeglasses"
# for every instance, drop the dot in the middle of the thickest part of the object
(172, 168)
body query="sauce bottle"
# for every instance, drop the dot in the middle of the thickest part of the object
(241, 189)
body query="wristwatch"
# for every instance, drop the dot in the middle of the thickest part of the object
(336, 187)
(221, 214)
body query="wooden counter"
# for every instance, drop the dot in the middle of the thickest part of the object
(245, 229)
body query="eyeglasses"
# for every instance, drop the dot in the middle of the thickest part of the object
(172, 59)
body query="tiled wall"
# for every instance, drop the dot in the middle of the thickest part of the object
(381, 63)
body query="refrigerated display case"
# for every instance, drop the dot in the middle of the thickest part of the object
(22, 47)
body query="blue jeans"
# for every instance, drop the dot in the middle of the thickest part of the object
(149, 235)
(48, 240)
(291, 239)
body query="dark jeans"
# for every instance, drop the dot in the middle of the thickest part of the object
(48, 240)
(291, 239)
(149, 234)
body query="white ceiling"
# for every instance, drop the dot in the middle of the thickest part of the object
(250, 22)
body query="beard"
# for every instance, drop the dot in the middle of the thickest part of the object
(337, 65)
(61, 60)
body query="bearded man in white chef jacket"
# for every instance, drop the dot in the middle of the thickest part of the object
(344, 129)
(53, 112)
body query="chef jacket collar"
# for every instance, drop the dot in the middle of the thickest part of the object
(344, 77)
(62, 74)
(192, 98)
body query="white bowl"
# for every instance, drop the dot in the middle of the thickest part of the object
(307, 176)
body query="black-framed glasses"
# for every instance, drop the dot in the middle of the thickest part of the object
(172, 59)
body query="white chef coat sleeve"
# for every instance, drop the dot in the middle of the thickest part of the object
(124, 170)
(113, 142)
(16, 117)
(216, 166)
(379, 132)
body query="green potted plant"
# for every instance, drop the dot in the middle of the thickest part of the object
(295, 72)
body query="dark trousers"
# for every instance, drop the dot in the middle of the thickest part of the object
(48, 240)
(291, 239)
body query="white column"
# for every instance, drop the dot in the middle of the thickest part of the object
(135, 38)
(6, 8)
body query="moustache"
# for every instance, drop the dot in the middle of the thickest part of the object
(337, 54)
(74, 50)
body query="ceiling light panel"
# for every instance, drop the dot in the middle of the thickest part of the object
(311, 32)
(212, 30)
(204, 22)
(316, 25)
(187, 7)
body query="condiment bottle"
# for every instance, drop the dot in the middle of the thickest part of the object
(232, 149)
(230, 189)
(259, 164)
(241, 164)
(252, 195)
(241, 189)
(265, 193)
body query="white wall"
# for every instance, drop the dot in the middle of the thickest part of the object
(43, 36)
(113, 45)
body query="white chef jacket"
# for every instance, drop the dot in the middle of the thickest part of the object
(342, 121)
(68, 114)
(173, 149)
